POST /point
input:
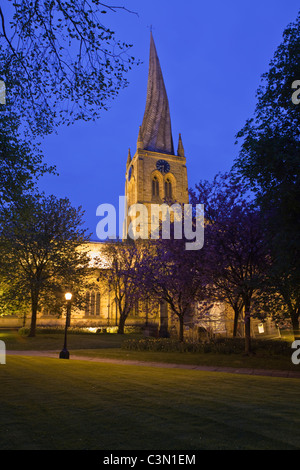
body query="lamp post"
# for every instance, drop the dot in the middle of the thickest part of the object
(64, 354)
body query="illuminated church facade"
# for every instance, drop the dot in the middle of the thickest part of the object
(154, 174)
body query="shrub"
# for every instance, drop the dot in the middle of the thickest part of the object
(133, 329)
(215, 345)
(23, 331)
(273, 347)
(80, 330)
(161, 344)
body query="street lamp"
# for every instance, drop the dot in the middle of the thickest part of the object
(64, 354)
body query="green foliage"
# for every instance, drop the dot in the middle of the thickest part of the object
(42, 250)
(23, 331)
(269, 161)
(275, 105)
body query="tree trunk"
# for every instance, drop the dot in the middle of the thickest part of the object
(247, 329)
(181, 329)
(24, 319)
(236, 320)
(295, 324)
(34, 309)
(121, 326)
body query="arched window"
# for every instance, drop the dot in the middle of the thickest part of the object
(92, 312)
(92, 303)
(87, 303)
(168, 189)
(98, 304)
(155, 187)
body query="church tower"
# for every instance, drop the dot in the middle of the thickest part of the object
(155, 174)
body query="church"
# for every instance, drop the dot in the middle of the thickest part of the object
(154, 174)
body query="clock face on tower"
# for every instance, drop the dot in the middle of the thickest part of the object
(163, 166)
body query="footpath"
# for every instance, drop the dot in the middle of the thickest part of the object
(231, 370)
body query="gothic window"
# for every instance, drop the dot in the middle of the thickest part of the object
(155, 187)
(92, 312)
(92, 303)
(97, 304)
(168, 189)
(87, 303)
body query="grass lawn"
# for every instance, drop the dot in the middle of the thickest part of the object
(238, 361)
(51, 404)
(55, 341)
(109, 346)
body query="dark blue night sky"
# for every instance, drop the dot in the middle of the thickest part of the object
(212, 56)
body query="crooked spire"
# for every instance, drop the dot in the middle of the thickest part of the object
(156, 129)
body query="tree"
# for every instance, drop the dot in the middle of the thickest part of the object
(13, 303)
(20, 163)
(121, 276)
(42, 249)
(235, 249)
(280, 297)
(60, 63)
(269, 161)
(173, 275)
(271, 303)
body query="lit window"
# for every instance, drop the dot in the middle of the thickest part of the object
(168, 189)
(98, 304)
(87, 303)
(155, 187)
(92, 303)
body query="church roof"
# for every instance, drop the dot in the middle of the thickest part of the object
(156, 127)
